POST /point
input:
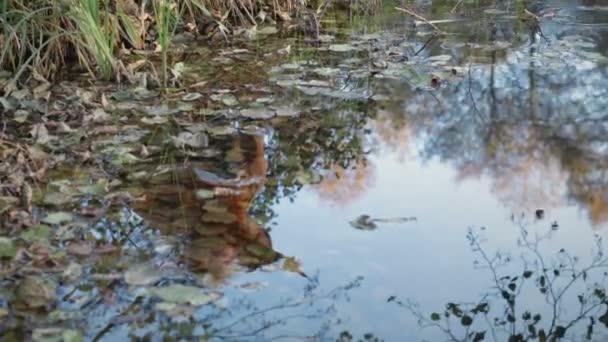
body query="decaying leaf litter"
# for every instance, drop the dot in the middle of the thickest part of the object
(75, 156)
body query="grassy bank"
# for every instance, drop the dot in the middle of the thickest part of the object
(42, 37)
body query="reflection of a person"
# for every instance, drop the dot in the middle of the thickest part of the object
(215, 209)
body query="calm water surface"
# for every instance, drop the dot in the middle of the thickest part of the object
(498, 126)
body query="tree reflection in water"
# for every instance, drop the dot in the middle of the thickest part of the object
(524, 111)
(213, 210)
(533, 295)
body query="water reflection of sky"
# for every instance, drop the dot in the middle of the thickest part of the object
(428, 260)
(536, 142)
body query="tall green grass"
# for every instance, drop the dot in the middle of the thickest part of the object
(95, 35)
(165, 17)
(47, 35)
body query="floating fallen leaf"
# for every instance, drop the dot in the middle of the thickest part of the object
(58, 218)
(99, 188)
(194, 140)
(25, 195)
(341, 48)
(39, 233)
(97, 116)
(21, 116)
(155, 120)
(143, 274)
(191, 97)
(258, 113)
(7, 248)
(72, 272)
(290, 264)
(40, 134)
(57, 199)
(182, 294)
(35, 292)
(80, 249)
(57, 334)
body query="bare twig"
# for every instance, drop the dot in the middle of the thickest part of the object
(456, 6)
(421, 18)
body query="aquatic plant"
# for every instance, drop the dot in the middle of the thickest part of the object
(540, 297)
(95, 35)
(47, 35)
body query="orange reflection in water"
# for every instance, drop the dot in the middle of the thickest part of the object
(212, 211)
(342, 186)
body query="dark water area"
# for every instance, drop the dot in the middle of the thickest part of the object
(380, 185)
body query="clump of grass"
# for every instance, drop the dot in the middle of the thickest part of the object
(47, 35)
(95, 35)
(165, 17)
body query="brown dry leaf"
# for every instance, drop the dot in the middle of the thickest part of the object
(198, 85)
(40, 134)
(34, 292)
(135, 66)
(97, 116)
(284, 16)
(80, 249)
(105, 104)
(42, 91)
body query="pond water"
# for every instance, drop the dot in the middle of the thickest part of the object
(336, 192)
